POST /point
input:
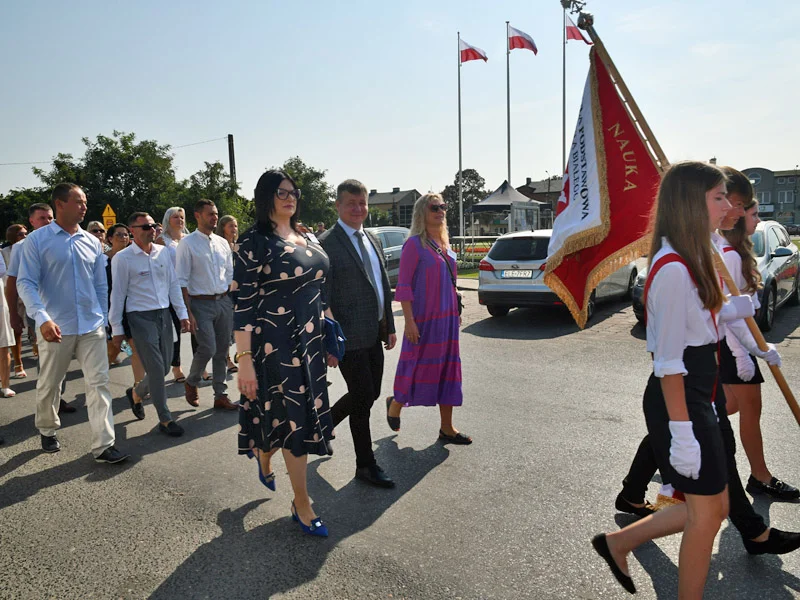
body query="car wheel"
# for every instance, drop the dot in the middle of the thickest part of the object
(590, 306)
(631, 284)
(498, 311)
(767, 315)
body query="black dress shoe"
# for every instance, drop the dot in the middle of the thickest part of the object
(623, 505)
(136, 407)
(374, 475)
(112, 456)
(63, 407)
(601, 547)
(778, 542)
(171, 428)
(50, 444)
(780, 490)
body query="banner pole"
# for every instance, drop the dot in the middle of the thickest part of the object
(564, 92)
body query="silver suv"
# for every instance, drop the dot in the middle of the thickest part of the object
(512, 275)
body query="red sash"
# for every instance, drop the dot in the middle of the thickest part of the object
(665, 260)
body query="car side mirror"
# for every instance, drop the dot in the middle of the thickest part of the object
(781, 252)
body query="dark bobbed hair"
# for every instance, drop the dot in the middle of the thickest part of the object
(12, 233)
(113, 229)
(264, 198)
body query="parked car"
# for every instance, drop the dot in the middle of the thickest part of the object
(793, 229)
(778, 262)
(392, 240)
(512, 275)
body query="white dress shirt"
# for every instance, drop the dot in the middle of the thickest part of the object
(142, 282)
(676, 317)
(375, 260)
(204, 264)
(737, 330)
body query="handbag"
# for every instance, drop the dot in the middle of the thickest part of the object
(334, 338)
(452, 277)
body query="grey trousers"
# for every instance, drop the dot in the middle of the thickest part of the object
(214, 325)
(152, 332)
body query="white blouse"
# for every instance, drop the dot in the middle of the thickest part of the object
(738, 328)
(676, 317)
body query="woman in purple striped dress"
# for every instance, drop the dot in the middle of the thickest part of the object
(429, 372)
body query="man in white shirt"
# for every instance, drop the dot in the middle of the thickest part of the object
(204, 265)
(62, 281)
(144, 285)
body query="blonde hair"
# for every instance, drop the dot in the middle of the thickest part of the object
(418, 226)
(166, 231)
(682, 218)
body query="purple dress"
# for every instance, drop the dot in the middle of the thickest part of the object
(429, 372)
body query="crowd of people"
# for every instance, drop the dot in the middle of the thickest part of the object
(294, 305)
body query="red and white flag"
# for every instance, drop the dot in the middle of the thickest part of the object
(471, 52)
(520, 39)
(573, 33)
(609, 189)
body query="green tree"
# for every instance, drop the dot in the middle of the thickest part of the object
(472, 191)
(317, 202)
(127, 174)
(378, 217)
(214, 183)
(14, 206)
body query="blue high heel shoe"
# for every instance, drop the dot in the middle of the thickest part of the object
(317, 527)
(268, 479)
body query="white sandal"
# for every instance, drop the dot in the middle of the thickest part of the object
(7, 393)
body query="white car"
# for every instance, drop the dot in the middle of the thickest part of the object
(512, 275)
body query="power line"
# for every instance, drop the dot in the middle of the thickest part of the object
(47, 162)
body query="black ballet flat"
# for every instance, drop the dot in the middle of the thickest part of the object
(623, 505)
(601, 547)
(394, 422)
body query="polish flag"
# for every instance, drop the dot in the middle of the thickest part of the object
(573, 33)
(520, 39)
(471, 52)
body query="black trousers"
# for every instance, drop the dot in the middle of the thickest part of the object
(362, 371)
(749, 523)
(176, 347)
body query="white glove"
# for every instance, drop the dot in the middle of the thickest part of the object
(770, 355)
(745, 368)
(684, 449)
(737, 307)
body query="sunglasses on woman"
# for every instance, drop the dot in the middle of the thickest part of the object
(283, 194)
(95, 231)
(438, 207)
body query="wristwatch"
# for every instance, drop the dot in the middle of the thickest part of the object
(239, 355)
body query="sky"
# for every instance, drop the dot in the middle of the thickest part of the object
(368, 89)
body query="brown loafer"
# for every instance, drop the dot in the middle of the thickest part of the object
(191, 394)
(225, 403)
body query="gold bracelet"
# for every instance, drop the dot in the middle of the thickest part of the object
(239, 355)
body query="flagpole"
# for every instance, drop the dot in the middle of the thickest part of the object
(460, 185)
(564, 89)
(508, 101)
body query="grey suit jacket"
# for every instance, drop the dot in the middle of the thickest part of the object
(349, 292)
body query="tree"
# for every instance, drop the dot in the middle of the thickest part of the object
(119, 171)
(472, 192)
(214, 183)
(378, 217)
(14, 206)
(317, 202)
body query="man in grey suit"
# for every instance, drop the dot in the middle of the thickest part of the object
(360, 298)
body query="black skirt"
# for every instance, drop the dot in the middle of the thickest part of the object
(727, 368)
(699, 386)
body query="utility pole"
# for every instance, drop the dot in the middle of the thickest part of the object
(232, 163)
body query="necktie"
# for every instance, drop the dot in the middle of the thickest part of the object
(368, 267)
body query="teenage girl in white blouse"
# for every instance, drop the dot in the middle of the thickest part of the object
(685, 308)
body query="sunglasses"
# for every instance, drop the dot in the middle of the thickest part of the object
(147, 226)
(438, 207)
(97, 230)
(283, 194)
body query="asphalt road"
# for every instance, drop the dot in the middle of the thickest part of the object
(556, 417)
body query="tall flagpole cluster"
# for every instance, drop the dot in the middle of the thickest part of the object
(508, 99)
(460, 196)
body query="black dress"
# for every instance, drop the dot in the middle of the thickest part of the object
(281, 303)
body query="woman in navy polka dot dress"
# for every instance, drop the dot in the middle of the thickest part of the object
(278, 325)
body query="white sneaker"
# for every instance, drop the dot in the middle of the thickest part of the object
(7, 392)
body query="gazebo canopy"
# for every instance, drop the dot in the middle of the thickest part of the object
(501, 199)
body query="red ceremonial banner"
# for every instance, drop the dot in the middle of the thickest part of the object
(630, 175)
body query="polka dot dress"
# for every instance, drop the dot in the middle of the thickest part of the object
(281, 303)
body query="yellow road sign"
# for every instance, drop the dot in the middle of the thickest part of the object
(109, 216)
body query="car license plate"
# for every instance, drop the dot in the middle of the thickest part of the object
(517, 274)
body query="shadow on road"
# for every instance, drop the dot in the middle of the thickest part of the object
(541, 322)
(733, 573)
(276, 557)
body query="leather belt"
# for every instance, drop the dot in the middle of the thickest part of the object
(208, 296)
